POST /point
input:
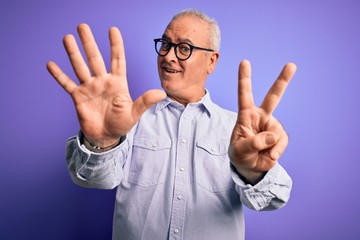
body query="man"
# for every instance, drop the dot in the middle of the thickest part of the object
(182, 165)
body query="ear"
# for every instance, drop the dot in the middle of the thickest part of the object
(212, 60)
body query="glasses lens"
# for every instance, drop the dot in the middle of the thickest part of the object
(162, 47)
(183, 51)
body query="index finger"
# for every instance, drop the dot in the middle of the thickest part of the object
(276, 91)
(118, 63)
(245, 96)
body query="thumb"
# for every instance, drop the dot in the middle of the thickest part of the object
(146, 100)
(261, 141)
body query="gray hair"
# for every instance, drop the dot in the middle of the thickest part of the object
(214, 30)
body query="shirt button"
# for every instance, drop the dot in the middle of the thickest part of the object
(154, 144)
(179, 197)
(182, 169)
(183, 140)
(176, 230)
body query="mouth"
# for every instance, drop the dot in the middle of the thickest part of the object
(170, 70)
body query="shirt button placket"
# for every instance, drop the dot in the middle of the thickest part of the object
(179, 203)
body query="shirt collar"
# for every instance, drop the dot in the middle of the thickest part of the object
(205, 101)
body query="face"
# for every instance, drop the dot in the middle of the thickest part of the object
(184, 81)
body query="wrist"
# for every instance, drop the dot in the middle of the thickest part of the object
(103, 147)
(249, 176)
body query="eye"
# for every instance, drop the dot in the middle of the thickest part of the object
(184, 48)
(165, 45)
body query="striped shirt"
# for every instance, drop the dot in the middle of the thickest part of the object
(173, 176)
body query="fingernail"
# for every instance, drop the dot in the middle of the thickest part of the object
(270, 139)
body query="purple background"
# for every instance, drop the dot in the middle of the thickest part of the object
(319, 109)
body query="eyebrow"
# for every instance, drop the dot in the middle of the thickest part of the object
(186, 40)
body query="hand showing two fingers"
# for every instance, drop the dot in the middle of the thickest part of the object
(103, 104)
(258, 139)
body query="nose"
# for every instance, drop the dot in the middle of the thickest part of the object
(171, 56)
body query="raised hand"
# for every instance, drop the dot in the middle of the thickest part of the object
(258, 139)
(103, 104)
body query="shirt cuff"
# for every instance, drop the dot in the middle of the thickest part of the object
(272, 192)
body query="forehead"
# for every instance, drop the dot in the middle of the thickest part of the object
(187, 28)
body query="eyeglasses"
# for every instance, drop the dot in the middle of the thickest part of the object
(163, 46)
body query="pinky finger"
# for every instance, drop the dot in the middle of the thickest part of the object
(65, 82)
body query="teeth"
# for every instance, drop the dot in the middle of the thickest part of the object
(170, 70)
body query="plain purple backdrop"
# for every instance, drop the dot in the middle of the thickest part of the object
(320, 108)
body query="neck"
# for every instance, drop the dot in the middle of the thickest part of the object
(186, 100)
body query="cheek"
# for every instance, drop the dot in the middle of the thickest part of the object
(158, 63)
(197, 70)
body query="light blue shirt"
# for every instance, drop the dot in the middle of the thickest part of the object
(173, 176)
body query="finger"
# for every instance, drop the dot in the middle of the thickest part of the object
(256, 143)
(278, 149)
(93, 55)
(245, 97)
(276, 91)
(118, 63)
(77, 61)
(147, 100)
(64, 81)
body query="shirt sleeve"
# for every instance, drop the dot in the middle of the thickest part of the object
(271, 193)
(95, 170)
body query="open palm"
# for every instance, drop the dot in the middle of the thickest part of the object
(103, 104)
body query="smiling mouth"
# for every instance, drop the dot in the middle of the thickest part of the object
(169, 70)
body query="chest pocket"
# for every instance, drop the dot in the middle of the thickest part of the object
(213, 165)
(149, 157)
